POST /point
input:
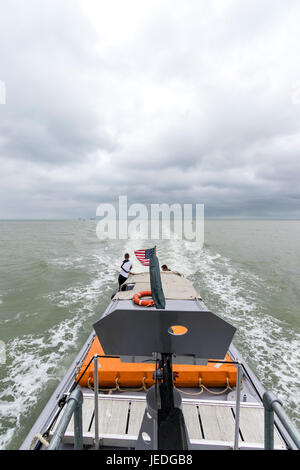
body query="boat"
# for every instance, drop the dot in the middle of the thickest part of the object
(153, 379)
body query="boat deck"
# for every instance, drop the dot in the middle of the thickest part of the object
(209, 413)
(210, 424)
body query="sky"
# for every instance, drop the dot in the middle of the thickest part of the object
(194, 102)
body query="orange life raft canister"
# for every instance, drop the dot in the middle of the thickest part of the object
(134, 374)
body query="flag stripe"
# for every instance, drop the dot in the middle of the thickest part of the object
(143, 256)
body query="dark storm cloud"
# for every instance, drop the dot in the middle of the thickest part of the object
(163, 102)
(48, 116)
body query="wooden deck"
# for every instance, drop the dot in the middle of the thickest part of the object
(209, 424)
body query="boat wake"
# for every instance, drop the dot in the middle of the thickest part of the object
(268, 344)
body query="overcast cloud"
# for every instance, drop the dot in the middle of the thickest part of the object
(162, 101)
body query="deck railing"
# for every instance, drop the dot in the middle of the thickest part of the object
(237, 406)
(73, 407)
(273, 405)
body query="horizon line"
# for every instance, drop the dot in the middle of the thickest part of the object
(84, 219)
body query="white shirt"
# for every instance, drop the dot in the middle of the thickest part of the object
(125, 268)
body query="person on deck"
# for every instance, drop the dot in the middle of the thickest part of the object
(165, 268)
(125, 270)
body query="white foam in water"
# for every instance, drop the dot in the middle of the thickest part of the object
(67, 262)
(34, 361)
(264, 340)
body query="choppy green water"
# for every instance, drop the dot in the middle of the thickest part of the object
(56, 278)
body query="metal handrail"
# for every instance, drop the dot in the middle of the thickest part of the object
(238, 398)
(271, 405)
(96, 399)
(73, 406)
(237, 407)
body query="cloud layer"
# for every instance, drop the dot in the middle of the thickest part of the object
(189, 102)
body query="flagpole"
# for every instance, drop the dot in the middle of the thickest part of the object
(154, 273)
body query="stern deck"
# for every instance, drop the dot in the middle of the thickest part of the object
(210, 424)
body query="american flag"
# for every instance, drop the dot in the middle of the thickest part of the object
(144, 256)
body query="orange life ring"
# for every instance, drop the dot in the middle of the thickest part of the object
(145, 303)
